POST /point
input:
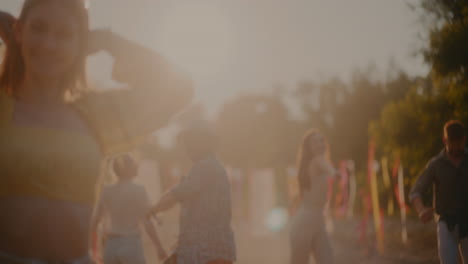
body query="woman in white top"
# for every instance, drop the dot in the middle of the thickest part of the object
(308, 235)
(125, 204)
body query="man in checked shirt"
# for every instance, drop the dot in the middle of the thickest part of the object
(205, 233)
(447, 172)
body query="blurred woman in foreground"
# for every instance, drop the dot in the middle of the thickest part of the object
(54, 133)
(308, 235)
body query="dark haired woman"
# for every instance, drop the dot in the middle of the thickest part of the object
(308, 235)
(54, 133)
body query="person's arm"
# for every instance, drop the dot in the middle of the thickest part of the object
(424, 181)
(294, 205)
(156, 91)
(167, 202)
(98, 215)
(153, 235)
(188, 188)
(149, 228)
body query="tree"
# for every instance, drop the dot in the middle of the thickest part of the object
(343, 111)
(256, 131)
(447, 29)
(413, 125)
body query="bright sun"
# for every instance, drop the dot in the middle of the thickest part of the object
(198, 37)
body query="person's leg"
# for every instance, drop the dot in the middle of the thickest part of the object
(322, 248)
(463, 248)
(447, 244)
(301, 248)
(131, 251)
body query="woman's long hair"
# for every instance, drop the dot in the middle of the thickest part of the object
(13, 69)
(304, 157)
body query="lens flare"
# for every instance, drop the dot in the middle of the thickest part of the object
(277, 219)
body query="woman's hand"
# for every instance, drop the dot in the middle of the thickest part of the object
(153, 235)
(7, 22)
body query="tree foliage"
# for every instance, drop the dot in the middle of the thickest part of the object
(412, 126)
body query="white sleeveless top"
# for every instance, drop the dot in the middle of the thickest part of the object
(125, 205)
(309, 218)
(320, 169)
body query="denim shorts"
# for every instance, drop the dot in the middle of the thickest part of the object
(124, 250)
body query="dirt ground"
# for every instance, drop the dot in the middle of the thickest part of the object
(273, 248)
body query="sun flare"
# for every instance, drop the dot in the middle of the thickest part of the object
(198, 37)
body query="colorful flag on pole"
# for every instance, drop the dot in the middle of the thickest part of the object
(372, 166)
(388, 187)
(343, 191)
(352, 188)
(401, 192)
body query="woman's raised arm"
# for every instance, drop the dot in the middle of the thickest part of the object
(156, 92)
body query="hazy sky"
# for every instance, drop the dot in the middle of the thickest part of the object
(232, 46)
